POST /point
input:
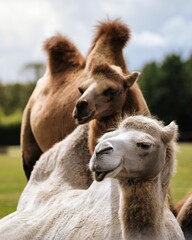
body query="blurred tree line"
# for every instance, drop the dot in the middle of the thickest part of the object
(166, 86)
(13, 99)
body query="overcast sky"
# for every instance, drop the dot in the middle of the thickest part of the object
(158, 27)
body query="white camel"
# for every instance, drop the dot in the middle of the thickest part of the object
(140, 155)
(55, 204)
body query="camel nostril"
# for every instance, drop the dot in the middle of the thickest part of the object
(75, 113)
(81, 105)
(104, 148)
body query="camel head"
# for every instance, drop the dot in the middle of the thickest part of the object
(136, 150)
(103, 93)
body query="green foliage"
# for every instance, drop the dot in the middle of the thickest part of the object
(14, 97)
(167, 88)
(11, 119)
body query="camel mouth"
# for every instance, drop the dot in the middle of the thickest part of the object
(100, 175)
(82, 120)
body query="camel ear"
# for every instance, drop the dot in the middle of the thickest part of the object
(170, 132)
(131, 78)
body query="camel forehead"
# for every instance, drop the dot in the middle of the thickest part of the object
(104, 80)
(148, 125)
(103, 72)
(99, 86)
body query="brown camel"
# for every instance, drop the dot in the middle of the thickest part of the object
(107, 96)
(184, 215)
(47, 118)
(140, 155)
(109, 91)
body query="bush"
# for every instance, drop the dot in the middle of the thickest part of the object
(167, 88)
(10, 127)
(10, 134)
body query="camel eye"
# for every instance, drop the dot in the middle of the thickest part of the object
(144, 146)
(81, 90)
(109, 92)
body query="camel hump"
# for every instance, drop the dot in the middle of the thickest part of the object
(63, 55)
(113, 32)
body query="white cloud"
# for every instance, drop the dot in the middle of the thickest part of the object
(178, 31)
(157, 27)
(26, 20)
(148, 39)
(23, 27)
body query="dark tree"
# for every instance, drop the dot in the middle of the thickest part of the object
(167, 88)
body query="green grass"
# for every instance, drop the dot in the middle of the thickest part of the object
(182, 181)
(11, 119)
(13, 181)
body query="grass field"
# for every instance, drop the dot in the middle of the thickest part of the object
(13, 181)
(182, 181)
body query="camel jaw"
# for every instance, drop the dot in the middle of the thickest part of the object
(85, 119)
(100, 175)
(100, 170)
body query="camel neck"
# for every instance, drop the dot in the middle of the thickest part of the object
(98, 127)
(141, 209)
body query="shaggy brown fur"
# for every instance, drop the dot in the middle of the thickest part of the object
(109, 40)
(141, 210)
(47, 117)
(184, 215)
(103, 71)
(134, 104)
(115, 32)
(107, 50)
(63, 55)
(180, 204)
